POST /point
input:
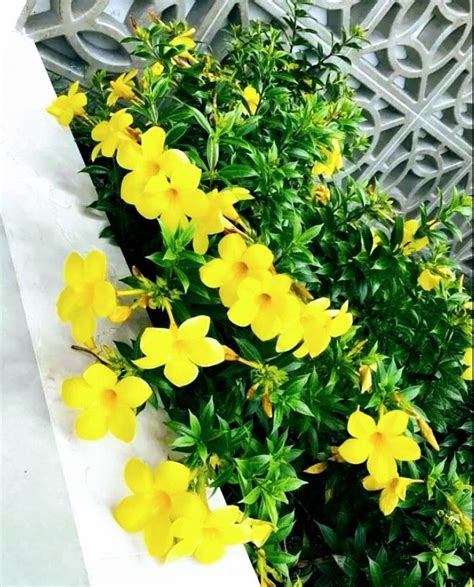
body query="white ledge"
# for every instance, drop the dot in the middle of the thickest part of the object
(44, 216)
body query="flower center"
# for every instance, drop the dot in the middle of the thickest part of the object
(109, 397)
(378, 439)
(241, 269)
(152, 168)
(162, 501)
(264, 299)
(86, 295)
(172, 194)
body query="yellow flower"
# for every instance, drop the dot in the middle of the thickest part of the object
(322, 194)
(150, 508)
(205, 534)
(173, 198)
(87, 295)
(252, 97)
(213, 218)
(107, 404)
(260, 531)
(316, 325)
(181, 349)
(112, 134)
(265, 304)
(185, 40)
(65, 108)
(334, 160)
(122, 87)
(410, 244)
(467, 360)
(393, 491)
(365, 376)
(381, 445)
(237, 262)
(157, 69)
(428, 280)
(146, 161)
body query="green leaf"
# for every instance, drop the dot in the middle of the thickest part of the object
(235, 172)
(376, 573)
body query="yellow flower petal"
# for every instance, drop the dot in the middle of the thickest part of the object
(388, 501)
(341, 324)
(181, 549)
(157, 535)
(172, 477)
(83, 323)
(133, 185)
(232, 247)
(467, 358)
(260, 531)
(157, 343)
(354, 450)
(403, 448)
(258, 257)
(467, 374)
(371, 484)
(153, 142)
(138, 476)
(104, 300)
(74, 270)
(66, 304)
(123, 423)
(133, 391)
(191, 507)
(133, 512)
(393, 423)
(76, 393)
(361, 425)
(148, 362)
(266, 324)
(181, 372)
(130, 155)
(95, 267)
(92, 423)
(206, 352)
(224, 516)
(99, 376)
(382, 466)
(317, 342)
(214, 273)
(243, 312)
(194, 328)
(211, 549)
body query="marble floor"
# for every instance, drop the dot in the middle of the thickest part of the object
(39, 543)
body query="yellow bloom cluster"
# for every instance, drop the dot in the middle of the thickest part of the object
(258, 297)
(431, 278)
(175, 521)
(410, 244)
(334, 160)
(107, 404)
(381, 444)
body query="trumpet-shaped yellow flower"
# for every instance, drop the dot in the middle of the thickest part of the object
(215, 215)
(316, 325)
(265, 304)
(149, 161)
(122, 87)
(236, 263)
(393, 491)
(66, 107)
(205, 534)
(334, 160)
(185, 40)
(410, 244)
(252, 98)
(87, 295)
(428, 279)
(467, 360)
(181, 349)
(381, 445)
(107, 403)
(112, 134)
(150, 508)
(173, 198)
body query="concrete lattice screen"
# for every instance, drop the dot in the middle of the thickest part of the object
(413, 80)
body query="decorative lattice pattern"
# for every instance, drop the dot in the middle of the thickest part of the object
(414, 80)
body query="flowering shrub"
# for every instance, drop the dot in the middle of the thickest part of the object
(287, 304)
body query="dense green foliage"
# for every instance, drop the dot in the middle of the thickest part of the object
(329, 529)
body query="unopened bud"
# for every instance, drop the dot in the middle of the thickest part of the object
(427, 433)
(316, 469)
(120, 314)
(322, 194)
(252, 391)
(267, 405)
(230, 354)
